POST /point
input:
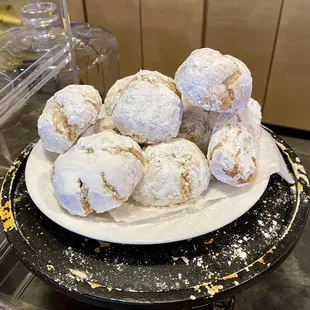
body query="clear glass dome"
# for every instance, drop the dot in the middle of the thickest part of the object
(95, 48)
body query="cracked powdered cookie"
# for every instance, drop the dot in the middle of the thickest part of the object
(215, 82)
(67, 115)
(97, 174)
(197, 125)
(175, 172)
(146, 106)
(234, 145)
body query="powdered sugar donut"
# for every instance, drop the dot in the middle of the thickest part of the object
(197, 124)
(214, 81)
(234, 145)
(67, 115)
(97, 174)
(175, 172)
(146, 107)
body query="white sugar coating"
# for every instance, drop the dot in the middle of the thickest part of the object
(214, 81)
(97, 174)
(104, 122)
(113, 93)
(67, 115)
(146, 107)
(175, 171)
(242, 89)
(234, 145)
(197, 124)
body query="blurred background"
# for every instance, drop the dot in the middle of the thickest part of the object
(271, 37)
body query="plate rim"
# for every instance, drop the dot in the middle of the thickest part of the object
(65, 221)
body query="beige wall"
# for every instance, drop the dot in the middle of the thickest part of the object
(271, 37)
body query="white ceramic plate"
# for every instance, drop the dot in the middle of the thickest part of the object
(102, 227)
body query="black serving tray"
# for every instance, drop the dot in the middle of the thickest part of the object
(177, 275)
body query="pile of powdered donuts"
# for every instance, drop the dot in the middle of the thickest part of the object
(154, 139)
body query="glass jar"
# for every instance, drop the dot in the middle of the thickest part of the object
(95, 48)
